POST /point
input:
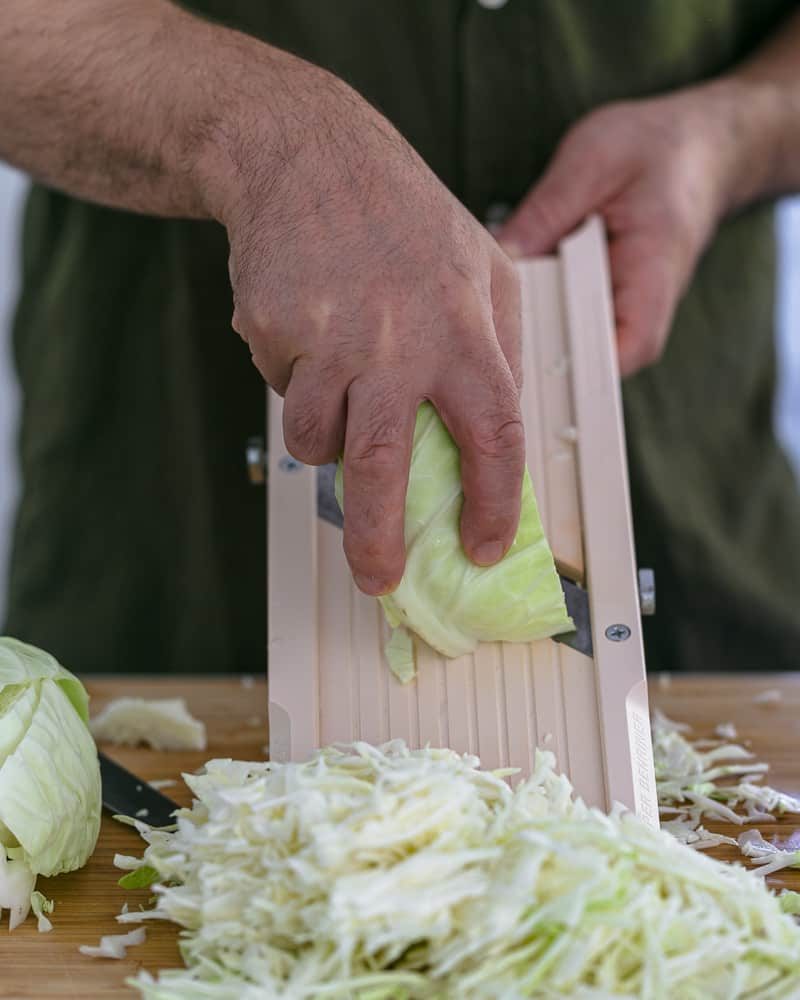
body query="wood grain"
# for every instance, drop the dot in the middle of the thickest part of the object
(34, 966)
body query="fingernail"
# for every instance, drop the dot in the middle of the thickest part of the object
(488, 553)
(371, 585)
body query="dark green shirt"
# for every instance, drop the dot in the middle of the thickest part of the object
(139, 545)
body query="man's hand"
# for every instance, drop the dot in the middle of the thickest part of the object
(661, 173)
(363, 287)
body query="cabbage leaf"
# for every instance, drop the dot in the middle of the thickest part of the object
(50, 797)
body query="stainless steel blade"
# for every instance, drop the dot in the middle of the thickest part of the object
(125, 794)
(577, 601)
(327, 505)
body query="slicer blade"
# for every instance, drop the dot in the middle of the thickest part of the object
(577, 601)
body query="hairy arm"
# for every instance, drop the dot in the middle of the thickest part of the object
(360, 284)
(115, 101)
(764, 96)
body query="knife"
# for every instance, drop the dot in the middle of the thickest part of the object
(575, 596)
(125, 794)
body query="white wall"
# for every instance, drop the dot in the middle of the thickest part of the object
(12, 186)
(12, 189)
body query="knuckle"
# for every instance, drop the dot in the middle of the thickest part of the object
(375, 450)
(303, 433)
(462, 301)
(374, 453)
(311, 424)
(498, 437)
(250, 313)
(376, 441)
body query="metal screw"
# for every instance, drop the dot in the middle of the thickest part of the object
(618, 633)
(289, 464)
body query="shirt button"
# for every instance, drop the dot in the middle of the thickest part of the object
(492, 4)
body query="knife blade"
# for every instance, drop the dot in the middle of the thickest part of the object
(328, 508)
(125, 794)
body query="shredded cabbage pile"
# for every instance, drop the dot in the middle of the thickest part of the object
(379, 873)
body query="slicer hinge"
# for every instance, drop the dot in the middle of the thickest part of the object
(647, 592)
(257, 460)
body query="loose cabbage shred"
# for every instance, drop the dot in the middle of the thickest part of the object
(161, 723)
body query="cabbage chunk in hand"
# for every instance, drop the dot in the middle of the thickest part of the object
(445, 598)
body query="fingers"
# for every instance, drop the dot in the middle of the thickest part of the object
(646, 290)
(507, 310)
(481, 409)
(372, 422)
(584, 172)
(377, 452)
(314, 414)
(475, 371)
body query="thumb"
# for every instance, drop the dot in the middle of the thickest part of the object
(579, 179)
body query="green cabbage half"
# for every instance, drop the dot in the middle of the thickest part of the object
(50, 795)
(443, 596)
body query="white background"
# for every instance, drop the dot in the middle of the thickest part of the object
(11, 192)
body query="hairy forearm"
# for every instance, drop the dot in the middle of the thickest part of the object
(760, 99)
(138, 105)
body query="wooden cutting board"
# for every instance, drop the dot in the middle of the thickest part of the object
(37, 966)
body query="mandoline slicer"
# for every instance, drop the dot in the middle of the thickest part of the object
(328, 678)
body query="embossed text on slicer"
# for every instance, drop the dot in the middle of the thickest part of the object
(642, 752)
